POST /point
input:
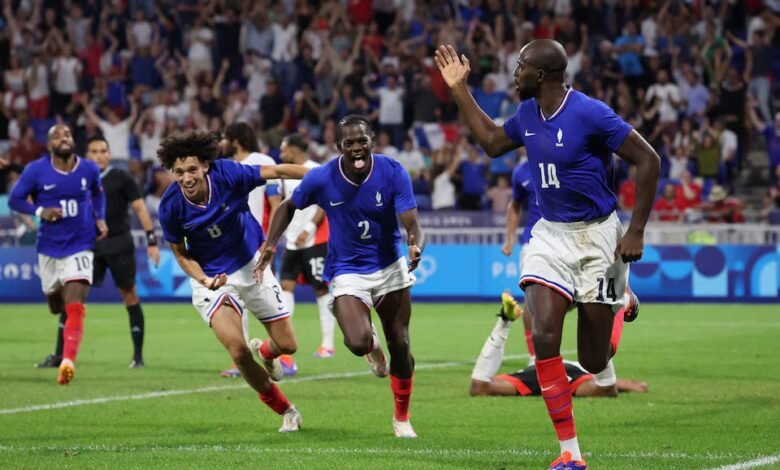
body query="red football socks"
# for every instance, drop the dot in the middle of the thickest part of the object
(275, 399)
(74, 330)
(529, 342)
(557, 395)
(617, 331)
(402, 393)
(266, 352)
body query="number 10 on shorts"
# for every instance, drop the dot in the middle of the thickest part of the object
(610, 292)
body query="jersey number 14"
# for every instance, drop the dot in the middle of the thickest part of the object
(552, 176)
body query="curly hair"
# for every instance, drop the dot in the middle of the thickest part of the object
(200, 144)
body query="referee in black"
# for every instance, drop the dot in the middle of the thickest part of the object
(117, 251)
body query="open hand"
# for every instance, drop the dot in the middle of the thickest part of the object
(454, 70)
(266, 255)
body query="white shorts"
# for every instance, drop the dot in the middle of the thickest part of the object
(55, 272)
(577, 260)
(242, 292)
(371, 288)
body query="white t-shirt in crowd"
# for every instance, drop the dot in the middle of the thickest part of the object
(41, 87)
(150, 143)
(665, 94)
(443, 194)
(118, 138)
(200, 50)
(285, 46)
(391, 105)
(142, 33)
(66, 75)
(301, 216)
(728, 143)
(412, 160)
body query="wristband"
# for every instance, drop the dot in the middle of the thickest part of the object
(151, 238)
(310, 227)
(38, 211)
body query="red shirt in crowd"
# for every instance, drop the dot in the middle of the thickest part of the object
(627, 194)
(360, 11)
(668, 211)
(695, 196)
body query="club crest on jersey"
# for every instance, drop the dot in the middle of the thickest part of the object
(378, 199)
(83, 184)
(560, 138)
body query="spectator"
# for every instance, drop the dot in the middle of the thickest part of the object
(500, 194)
(256, 36)
(274, 113)
(27, 148)
(148, 131)
(285, 49)
(629, 46)
(199, 49)
(384, 145)
(771, 134)
(471, 174)
(758, 57)
(723, 208)
(708, 154)
(488, 98)
(679, 162)
(411, 159)
(15, 97)
(443, 195)
(391, 109)
(627, 191)
(37, 79)
(728, 148)
(426, 106)
(666, 207)
(67, 70)
(688, 192)
(668, 96)
(116, 131)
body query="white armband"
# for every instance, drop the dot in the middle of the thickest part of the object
(38, 211)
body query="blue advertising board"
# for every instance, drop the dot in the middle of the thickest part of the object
(678, 273)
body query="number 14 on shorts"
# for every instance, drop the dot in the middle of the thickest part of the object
(610, 289)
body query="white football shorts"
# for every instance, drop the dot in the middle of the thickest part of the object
(577, 260)
(55, 272)
(371, 288)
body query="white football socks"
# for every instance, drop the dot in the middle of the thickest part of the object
(607, 377)
(327, 320)
(572, 446)
(492, 353)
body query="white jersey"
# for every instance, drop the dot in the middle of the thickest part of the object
(257, 196)
(301, 217)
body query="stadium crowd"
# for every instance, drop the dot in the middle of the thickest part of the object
(697, 78)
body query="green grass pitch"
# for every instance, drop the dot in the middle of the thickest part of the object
(713, 372)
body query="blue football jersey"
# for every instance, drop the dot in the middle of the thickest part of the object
(570, 155)
(364, 235)
(523, 193)
(221, 235)
(78, 194)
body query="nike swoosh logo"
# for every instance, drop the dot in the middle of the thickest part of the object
(47, 187)
(334, 204)
(544, 389)
(529, 134)
(525, 183)
(281, 307)
(187, 227)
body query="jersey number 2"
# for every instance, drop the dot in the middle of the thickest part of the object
(363, 224)
(552, 176)
(610, 289)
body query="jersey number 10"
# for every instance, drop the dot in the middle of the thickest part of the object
(552, 176)
(70, 208)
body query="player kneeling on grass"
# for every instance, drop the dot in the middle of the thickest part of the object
(485, 382)
(215, 239)
(364, 194)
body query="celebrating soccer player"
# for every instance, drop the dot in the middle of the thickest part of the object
(68, 197)
(579, 251)
(215, 239)
(362, 194)
(117, 251)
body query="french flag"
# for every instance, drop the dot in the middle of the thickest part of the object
(433, 135)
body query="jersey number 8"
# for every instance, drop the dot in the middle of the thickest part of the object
(214, 231)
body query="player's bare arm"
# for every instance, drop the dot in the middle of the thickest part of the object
(152, 250)
(102, 229)
(279, 223)
(512, 219)
(637, 151)
(455, 70)
(192, 268)
(311, 227)
(284, 170)
(416, 238)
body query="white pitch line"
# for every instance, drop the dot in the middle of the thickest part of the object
(425, 451)
(760, 462)
(222, 388)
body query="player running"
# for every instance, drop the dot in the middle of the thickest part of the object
(117, 251)
(67, 196)
(306, 247)
(362, 194)
(215, 239)
(578, 252)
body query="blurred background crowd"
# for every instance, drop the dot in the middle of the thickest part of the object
(699, 79)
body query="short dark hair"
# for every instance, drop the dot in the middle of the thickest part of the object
(352, 119)
(98, 138)
(297, 140)
(244, 134)
(200, 144)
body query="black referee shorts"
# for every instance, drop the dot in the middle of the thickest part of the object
(122, 266)
(309, 263)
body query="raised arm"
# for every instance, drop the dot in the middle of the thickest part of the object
(285, 170)
(637, 151)
(490, 136)
(415, 237)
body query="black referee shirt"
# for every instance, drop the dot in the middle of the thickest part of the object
(120, 190)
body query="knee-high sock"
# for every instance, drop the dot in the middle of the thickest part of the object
(137, 329)
(492, 353)
(74, 330)
(327, 320)
(557, 396)
(402, 394)
(275, 399)
(617, 331)
(60, 332)
(289, 300)
(266, 352)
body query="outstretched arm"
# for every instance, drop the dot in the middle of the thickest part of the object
(416, 238)
(637, 151)
(193, 269)
(490, 136)
(285, 170)
(281, 219)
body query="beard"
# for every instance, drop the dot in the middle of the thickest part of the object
(62, 153)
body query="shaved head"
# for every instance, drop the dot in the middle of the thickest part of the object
(60, 141)
(545, 54)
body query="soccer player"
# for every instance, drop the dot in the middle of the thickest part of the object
(117, 251)
(240, 143)
(363, 194)
(67, 196)
(525, 382)
(306, 247)
(578, 252)
(215, 239)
